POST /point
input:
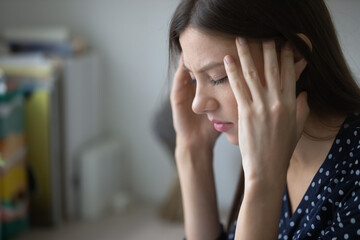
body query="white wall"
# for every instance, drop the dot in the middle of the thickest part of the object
(346, 17)
(131, 36)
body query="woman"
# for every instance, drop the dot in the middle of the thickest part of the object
(272, 77)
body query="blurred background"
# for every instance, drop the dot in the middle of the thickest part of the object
(86, 141)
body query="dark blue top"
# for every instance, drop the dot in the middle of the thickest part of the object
(330, 208)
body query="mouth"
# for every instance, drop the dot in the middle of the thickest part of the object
(221, 126)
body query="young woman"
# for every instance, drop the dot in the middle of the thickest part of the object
(272, 77)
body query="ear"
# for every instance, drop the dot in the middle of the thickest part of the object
(300, 62)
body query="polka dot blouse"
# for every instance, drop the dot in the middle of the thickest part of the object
(330, 208)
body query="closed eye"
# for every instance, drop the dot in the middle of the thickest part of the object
(220, 81)
(213, 82)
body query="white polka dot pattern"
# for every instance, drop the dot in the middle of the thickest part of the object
(333, 195)
(330, 208)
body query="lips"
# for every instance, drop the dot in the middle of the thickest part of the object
(222, 126)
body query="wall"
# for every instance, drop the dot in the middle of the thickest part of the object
(346, 18)
(131, 37)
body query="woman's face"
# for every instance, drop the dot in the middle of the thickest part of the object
(203, 56)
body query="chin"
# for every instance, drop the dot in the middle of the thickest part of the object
(233, 139)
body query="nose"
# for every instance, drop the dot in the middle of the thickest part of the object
(204, 102)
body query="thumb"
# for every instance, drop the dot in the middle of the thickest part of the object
(181, 78)
(302, 113)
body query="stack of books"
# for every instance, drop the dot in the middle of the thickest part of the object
(35, 77)
(51, 41)
(13, 165)
(59, 82)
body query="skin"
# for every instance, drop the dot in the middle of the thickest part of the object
(267, 121)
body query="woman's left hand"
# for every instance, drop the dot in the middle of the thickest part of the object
(270, 116)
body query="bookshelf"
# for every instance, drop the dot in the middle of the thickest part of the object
(61, 110)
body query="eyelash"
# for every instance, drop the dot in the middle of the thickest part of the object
(220, 81)
(213, 82)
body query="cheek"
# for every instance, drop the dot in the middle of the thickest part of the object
(232, 113)
(231, 105)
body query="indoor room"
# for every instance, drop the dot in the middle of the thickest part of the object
(87, 137)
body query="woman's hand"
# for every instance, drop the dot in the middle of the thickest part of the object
(271, 118)
(195, 139)
(192, 130)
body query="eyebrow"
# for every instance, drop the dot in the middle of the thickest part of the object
(206, 67)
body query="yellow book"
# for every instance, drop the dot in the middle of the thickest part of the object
(28, 66)
(42, 71)
(37, 127)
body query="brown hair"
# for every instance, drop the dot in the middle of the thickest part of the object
(327, 79)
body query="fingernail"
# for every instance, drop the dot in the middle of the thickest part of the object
(228, 60)
(241, 40)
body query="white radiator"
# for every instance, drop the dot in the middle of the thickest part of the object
(102, 173)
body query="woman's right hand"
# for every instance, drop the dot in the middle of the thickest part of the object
(192, 130)
(195, 140)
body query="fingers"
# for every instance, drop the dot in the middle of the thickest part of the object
(181, 77)
(181, 88)
(271, 67)
(280, 80)
(288, 75)
(250, 73)
(237, 83)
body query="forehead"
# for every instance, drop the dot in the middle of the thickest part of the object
(200, 48)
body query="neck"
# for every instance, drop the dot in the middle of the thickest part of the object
(316, 140)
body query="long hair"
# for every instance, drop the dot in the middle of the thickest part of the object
(330, 86)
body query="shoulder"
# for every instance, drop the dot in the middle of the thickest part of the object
(343, 165)
(347, 141)
(351, 126)
(343, 187)
(344, 157)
